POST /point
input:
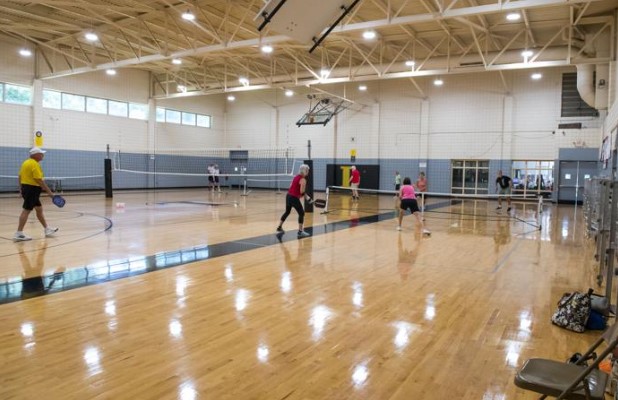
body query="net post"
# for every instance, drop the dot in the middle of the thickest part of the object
(244, 189)
(540, 207)
(326, 206)
(422, 205)
(107, 168)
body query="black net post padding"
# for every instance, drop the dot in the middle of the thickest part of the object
(309, 186)
(108, 178)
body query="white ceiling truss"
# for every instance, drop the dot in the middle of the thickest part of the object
(223, 44)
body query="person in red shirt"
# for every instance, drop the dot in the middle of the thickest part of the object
(292, 200)
(354, 182)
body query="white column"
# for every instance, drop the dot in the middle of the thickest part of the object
(423, 151)
(506, 150)
(371, 149)
(151, 139)
(37, 110)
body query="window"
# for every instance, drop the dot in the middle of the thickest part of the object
(18, 94)
(188, 118)
(470, 177)
(73, 102)
(138, 111)
(1, 92)
(160, 114)
(118, 108)
(181, 117)
(52, 99)
(533, 178)
(203, 120)
(97, 106)
(172, 116)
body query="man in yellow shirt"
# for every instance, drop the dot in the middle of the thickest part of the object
(31, 184)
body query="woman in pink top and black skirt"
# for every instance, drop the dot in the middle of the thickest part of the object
(408, 201)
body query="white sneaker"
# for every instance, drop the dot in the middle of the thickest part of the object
(398, 228)
(302, 234)
(21, 237)
(426, 232)
(50, 231)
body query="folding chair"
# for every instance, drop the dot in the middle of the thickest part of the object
(569, 381)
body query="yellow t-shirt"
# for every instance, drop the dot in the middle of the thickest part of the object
(29, 171)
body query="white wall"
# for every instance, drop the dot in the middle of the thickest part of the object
(173, 136)
(129, 85)
(73, 130)
(471, 116)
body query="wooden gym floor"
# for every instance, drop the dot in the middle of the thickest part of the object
(190, 295)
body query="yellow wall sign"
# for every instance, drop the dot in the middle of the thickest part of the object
(353, 153)
(38, 139)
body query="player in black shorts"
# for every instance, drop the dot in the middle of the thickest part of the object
(503, 188)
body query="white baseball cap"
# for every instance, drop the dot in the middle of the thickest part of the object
(37, 150)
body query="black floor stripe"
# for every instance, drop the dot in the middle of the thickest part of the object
(120, 269)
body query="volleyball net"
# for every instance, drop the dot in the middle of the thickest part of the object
(268, 168)
(451, 209)
(64, 170)
(129, 168)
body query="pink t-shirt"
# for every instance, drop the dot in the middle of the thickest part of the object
(407, 192)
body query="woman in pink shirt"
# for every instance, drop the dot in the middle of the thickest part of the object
(408, 201)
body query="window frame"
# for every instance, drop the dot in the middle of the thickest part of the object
(8, 86)
(477, 166)
(68, 95)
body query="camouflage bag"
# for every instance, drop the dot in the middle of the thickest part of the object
(573, 311)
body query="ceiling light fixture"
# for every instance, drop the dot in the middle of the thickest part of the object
(176, 61)
(362, 88)
(267, 49)
(324, 73)
(527, 53)
(536, 76)
(188, 16)
(91, 36)
(289, 93)
(110, 72)
(243, 81)
(513, 16)
(410, 63)
(181, 88)
(231, 98)
(369, 35)
(438, 82)
(25, 52)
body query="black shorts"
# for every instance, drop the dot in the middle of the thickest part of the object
(211, 179)
(397, 186)
(410, 204)
(216, 179)
(31, 195)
